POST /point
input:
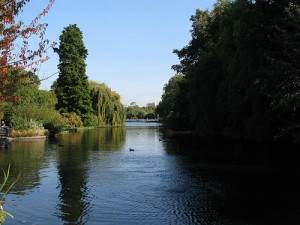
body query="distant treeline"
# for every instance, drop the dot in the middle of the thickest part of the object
(239, 76)
(141, 112)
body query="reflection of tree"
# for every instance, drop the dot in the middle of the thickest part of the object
(95, 139)
(27, 158)
(72, 169)
(74, 202)
(72, 139)
(105, 138)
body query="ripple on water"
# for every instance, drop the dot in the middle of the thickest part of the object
(150, 192)
(148, 186)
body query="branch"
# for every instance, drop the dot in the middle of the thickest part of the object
(45, 78)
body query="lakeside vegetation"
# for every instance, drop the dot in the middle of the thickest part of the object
(73, 101)
(35, 111)
(238, 76)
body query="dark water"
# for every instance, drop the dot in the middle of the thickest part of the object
(91, 177)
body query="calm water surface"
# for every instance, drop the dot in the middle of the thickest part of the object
(91, 177)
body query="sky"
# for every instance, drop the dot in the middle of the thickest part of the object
(130, 42)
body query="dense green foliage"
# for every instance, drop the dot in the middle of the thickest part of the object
(26, 124)
(71, 120)
(107, 105)
(78, 102)
(145, 112)
(240, 72)
(72, 88)
(173, 109)
(33, 106)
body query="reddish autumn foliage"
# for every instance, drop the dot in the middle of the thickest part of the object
(15, 53)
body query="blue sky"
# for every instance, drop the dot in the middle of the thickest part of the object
(130, 42)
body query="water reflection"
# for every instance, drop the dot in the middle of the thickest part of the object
(74, 202)
(27, 158)
(107, 139)
(95, 139)
(73, 158)
(92, 178)
(237, 183)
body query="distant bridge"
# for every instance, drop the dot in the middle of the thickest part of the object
(142, 120)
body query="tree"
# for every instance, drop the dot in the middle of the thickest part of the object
(107, 105)
(132, 111)
(34, 104)
(239, 84)
(205, 37)
(174, 106)
(145, 112)
(15, 52)
(150, 105)
(72, 88)
(262, 82)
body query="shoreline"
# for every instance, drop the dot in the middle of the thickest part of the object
(35, 138)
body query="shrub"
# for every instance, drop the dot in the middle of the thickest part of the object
(71, 120)
(90, 120)
(51, 119)
(53, 122)
(21, 124)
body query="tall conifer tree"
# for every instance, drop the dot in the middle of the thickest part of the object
(72, 88)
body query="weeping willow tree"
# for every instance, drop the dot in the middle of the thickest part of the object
(107, 105)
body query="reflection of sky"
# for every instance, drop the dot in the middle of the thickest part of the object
(144, 141)
(37, 205)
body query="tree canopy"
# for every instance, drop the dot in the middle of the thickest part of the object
(33, 104)
(133, 111)
(15, 50)
(241, 70)
(107, 105)
(72, 88)
(173, 108)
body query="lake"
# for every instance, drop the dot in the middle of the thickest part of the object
(91, 177)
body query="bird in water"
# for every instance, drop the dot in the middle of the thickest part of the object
(131, 149)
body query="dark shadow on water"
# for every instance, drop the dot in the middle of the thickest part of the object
(259, 184)
(227, 152)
